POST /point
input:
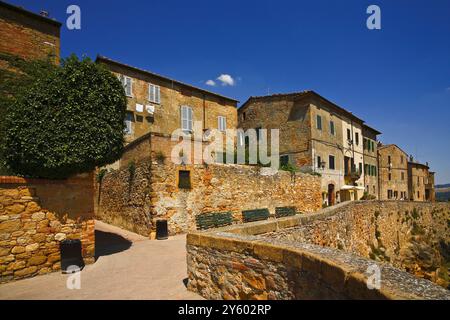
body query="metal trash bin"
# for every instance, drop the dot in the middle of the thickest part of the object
(71, 255)
(162, 231)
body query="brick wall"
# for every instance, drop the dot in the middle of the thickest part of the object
(35, 215)
(28, 35)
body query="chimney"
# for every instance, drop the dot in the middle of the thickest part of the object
(44, 13)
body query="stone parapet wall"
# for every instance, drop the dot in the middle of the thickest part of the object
(30, 232)
(413, 236)
(234, 263)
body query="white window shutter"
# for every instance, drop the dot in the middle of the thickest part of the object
(157, 94)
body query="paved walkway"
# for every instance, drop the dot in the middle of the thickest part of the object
(128, 267)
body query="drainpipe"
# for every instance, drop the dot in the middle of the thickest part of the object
(379, 173)
(204, 112)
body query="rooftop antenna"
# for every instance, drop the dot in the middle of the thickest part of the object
(44, 13)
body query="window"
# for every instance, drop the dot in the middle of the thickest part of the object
(418, 194)
(332, 131)
(360, 167)
(401, 159)
(389, 159)
(331, 162)
(395, 194)
(258, 133)
(349, 135)
(222, 123)
(128, 123)
(186, 118)
(366, 170)
(319, 161)
(244, 116)
(390, 176)
(418, 181)
(372, 144)
(154, 93)
(127, 84)
(366, 144)
(241, 137)
(284, 160)
(374, 171)
(403, 176)
(357, 138)
(184, 179)
(389, 194)
(319, 122)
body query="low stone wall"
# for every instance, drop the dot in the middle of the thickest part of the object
(238, 262)
(30, 232)
(413, 236)
(134, 200)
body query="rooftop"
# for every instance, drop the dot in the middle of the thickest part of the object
(104, 59)
(304, 94)
(30, 14)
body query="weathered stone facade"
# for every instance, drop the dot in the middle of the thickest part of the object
(134, 200)
(316, 135)
(370, 146)
(393, 173)
(166, 118)
(34, 219)
(28, 35)
(260, 261)
(420, 182)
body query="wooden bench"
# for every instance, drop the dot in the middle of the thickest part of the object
(255, 215)
(214, 220)
(285, 212)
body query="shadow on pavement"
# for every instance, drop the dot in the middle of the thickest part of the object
(107, 243)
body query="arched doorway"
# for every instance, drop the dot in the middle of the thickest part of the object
(331, 195)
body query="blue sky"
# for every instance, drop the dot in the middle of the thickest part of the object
(396, 78)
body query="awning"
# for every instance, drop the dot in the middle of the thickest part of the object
(347, 187)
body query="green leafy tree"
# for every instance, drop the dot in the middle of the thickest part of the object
(70, 120)
(16, 76)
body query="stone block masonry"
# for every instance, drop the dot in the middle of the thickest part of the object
(250, 262)
(134, 200)
(31, 229)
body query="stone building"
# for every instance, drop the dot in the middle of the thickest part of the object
(28, 35)
(161, 105)
(420, 181)
(370, 147)
(316, 135)
(393, 173)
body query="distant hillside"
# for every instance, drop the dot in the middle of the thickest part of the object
(440, 186)
(442, 195)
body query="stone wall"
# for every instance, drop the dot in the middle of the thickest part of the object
(235, 263)
(35, 215)
(412, 236)
(136, 202)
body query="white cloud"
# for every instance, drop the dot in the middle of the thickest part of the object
(226, 80)
(211, 83)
